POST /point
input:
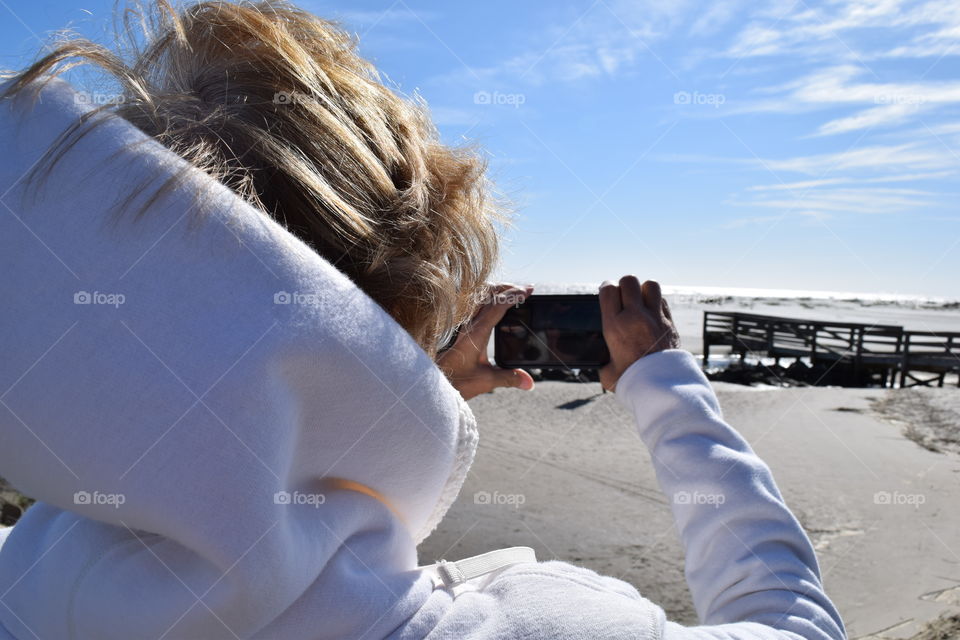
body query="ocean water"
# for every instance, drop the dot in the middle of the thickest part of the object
(711, 294)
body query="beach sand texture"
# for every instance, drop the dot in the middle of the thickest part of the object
(562, 470)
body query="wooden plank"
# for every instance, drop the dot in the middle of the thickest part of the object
(884, 349)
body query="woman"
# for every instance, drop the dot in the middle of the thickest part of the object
(232, 284)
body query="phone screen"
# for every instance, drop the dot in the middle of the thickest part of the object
(552, 331)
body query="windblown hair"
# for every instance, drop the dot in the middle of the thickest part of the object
(277, 104)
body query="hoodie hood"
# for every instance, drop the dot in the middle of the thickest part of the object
(226, 436)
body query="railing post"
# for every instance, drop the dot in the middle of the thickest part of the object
(813, 344)
(950, 353)
(898, 351)
(905, 359)
(736, 337)
(858, 358)
(706, 341)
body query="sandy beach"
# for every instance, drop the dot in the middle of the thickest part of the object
(573, 481)
(872, 474)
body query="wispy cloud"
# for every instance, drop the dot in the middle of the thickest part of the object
(836, 67)
(849, 57)
(853, 181)
(811, 184)
(874, 117)
(927, 28)
(870, 201)
(875, 104)
(910, 157)
(603, 38)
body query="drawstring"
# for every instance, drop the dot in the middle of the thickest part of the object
(456, 573)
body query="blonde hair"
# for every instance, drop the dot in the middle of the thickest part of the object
(277, 104)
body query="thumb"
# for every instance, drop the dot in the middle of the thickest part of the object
(608, 377)
(517, 378)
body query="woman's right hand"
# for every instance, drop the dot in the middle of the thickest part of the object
(636, 323)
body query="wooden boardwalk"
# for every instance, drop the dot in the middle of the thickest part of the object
(871, 354)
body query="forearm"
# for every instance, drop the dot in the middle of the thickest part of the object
(747, 557)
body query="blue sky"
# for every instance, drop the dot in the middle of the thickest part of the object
(798, 145)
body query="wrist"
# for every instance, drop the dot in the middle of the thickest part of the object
(618, 367)
(658, 367)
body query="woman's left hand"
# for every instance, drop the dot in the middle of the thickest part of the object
(466, 364)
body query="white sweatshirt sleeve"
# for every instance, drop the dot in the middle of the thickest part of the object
(750, 567)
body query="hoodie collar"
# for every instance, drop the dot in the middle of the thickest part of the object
(210, 368)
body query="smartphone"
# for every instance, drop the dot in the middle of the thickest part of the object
(552, 331)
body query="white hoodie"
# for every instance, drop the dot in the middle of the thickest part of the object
(228, 439)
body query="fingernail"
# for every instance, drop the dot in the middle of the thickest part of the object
(525, 383)
(605, 283)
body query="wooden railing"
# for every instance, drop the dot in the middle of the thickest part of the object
(865, 349)
(928, 352)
